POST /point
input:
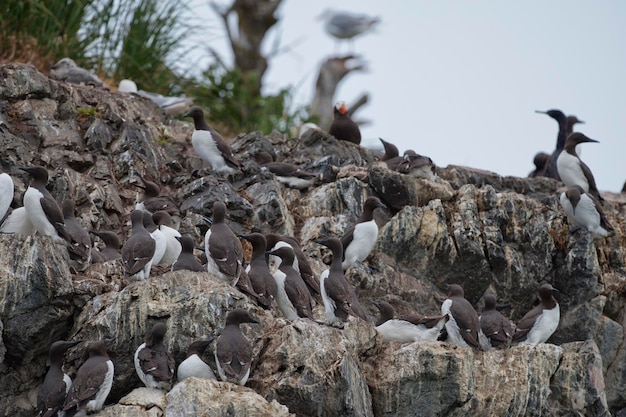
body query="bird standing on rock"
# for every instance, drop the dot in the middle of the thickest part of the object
(186, 259)
(56, 385)
(193, 365)
(210, 145)
(153, 363)
(259, 273)
(359, 240)
(464, 326)
(233, 352)
(572, 170)
(138, 250)
(407, 329)
(541, 322)
(343, 127)
(292, 295)
(584, 210)
(494, 325)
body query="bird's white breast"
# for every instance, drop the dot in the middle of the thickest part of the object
(36, 215)
(363, 241)
(98, 402)
(570, 171)
(6, 193)
(193, 366)
(545, 324)
(204, 144)
(329, 303)
(284, 303)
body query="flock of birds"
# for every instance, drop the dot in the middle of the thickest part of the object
(278, 272)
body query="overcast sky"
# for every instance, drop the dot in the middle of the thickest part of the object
(460, 81)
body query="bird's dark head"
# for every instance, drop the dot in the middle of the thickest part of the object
(37, 173)
(577, 137)
(556, 114)
(238, 316)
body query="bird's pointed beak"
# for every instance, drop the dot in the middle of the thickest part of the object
(541, 112)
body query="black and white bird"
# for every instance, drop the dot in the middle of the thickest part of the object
(138, 250)
(79, 247)
(338, 294)
(418, 166)
(258, 271)
(286, 173)
(153, 363)
(111, 249)
(223, 249)
(408, 328)
(392, 156)
(210, 145)
(497, 328)
(233, 352)
(172, 245)
(292, 295)
(93, 381)
(56, 384)
(186, 259)
(193, 365)
(41, 208)
(584, 210)
(153, 201)
(572, 170)
(170, 105)
(17, 222)
(463, 327)
(6, 194)
(343, 127)
(359, 240)
(542, 321)
(549, 167)
(67, 70)
(160, 243)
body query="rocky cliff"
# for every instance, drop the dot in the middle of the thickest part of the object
(472, 227)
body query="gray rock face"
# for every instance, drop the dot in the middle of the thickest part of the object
(486, 232)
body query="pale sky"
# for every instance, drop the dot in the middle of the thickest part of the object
(460, 81)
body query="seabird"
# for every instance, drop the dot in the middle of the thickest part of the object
(417, 166)
(186, 259)
(259, 273)
(111, 249)
(80, 242)
(292, 295)
(463, 327)
(160, 243)
(6, 193)
(407, 329)
(138, 250)
(345, 25)
(210, 145)
(289, 174)
(539, 323)
(550, 168)
(392, 156)
(572, 170)
(305, 128)
(494, 325)
(42, 209)
(154, 201)
(338, 295)
(571, 120)
(343, 127)
(56, 384)
(301, 263)
(172, 244)
(170, 105)
(17, 222)
(193, 365)
(233, 352)
(540, 160)
(67, 70)
(584, 210)
(359, 240)
(223, 248)
(93, 381)
(153, 363)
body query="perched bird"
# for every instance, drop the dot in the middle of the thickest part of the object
(111, 249)
(539, 323)
(160, 244)
(342, 127)
(138, 250)
(550, 169)
(93, 381)
(540, 160)
(338, 295)
(259, 273)
(153, 363)
(346, 25)
(305, 128)
(359, 240)
(6, 194)
(292, 295)
(154, 201)
(210, 146)
(392, 156)
(463, 327)
(301, 263)
(42, 209)
(56, 384)
(572, 170)
(233, 352)
(494, 325)
(80, 242)
(67, 70)
(172, 244)
(186, 259)
(417, 166)
(170, 105)
(193, 365)
(17, 222)
(289, 174)
(584, 210)
(223, 248)
(406, 329)
(571, 121)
